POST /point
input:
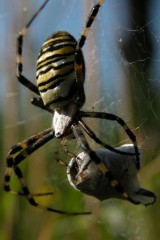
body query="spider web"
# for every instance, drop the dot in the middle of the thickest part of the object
(122, 55)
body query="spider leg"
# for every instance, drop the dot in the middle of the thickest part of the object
(121, 122)
(34, 203)
(39, 103)
(65, 149)
(86, 148)
(69, 153)
(22, 150)
(88, 24)
(23, 80)
(98, 141)
(79, 62)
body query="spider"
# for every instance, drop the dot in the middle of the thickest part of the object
(60, 91)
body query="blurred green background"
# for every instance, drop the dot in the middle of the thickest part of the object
(122, 57)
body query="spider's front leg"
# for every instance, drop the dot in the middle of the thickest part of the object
(23, 80)
(103, 167)
(79, 65)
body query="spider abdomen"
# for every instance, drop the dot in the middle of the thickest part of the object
(56, 78)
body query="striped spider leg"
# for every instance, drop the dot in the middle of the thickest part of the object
(22, 79)
(120, 121)
(20, 151)
(78, 56)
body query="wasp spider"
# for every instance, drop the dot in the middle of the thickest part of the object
(60, 90)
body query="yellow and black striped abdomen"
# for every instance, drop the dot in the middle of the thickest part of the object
(55, 70)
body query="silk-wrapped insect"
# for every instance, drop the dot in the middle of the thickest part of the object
(93, 182)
